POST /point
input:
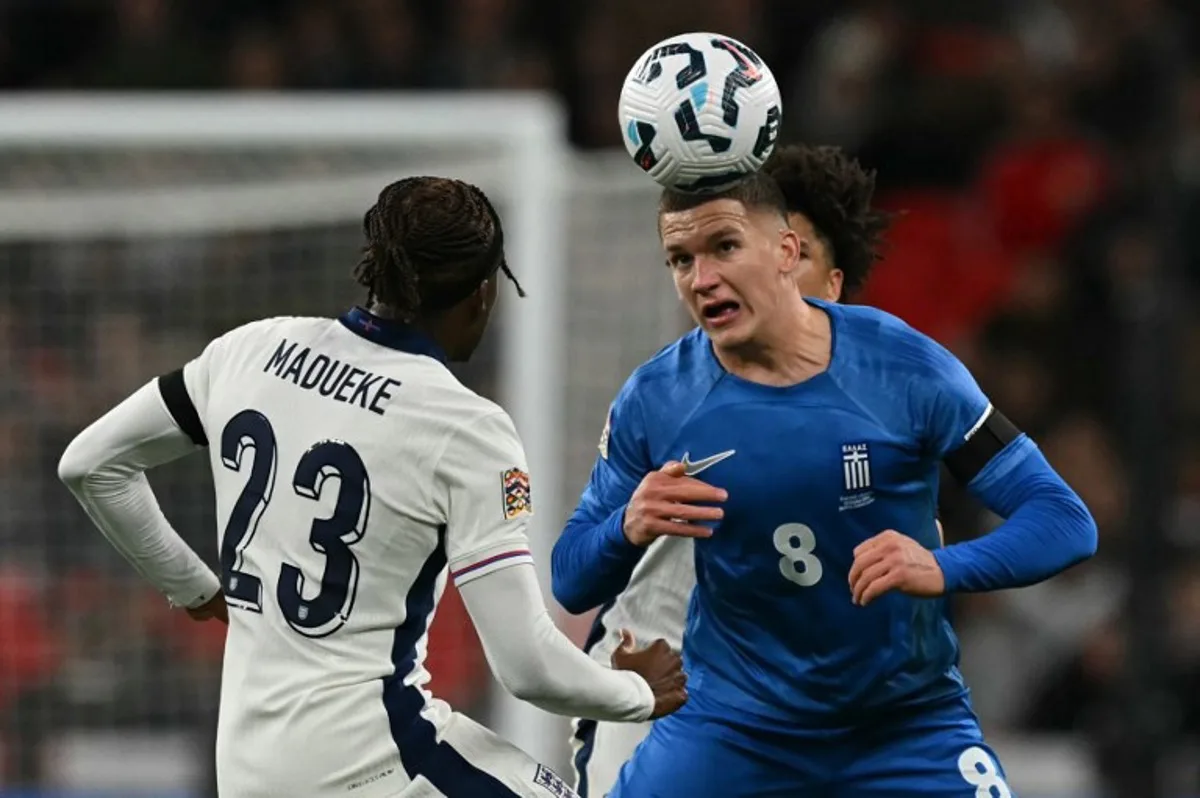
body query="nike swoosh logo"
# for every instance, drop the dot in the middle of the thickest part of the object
(693, 467)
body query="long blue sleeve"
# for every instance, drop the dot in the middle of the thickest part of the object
(593, 560)
(1048, 528)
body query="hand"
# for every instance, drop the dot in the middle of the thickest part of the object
(892, 561)
(213, 608)
(661, 667)
(664, 504)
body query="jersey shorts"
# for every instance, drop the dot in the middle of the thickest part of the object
(599, 750)
(936, 751)
(467, 760)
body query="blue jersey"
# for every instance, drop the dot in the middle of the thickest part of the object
(812, 470)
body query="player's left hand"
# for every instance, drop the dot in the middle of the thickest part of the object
(892, 561)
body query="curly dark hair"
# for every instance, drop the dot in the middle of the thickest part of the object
(431, 242)
(834, 192)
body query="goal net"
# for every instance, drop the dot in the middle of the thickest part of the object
(132, 231)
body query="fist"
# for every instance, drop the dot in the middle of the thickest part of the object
(667, 502)
(892, 561)
(213, 608)
(661, 667)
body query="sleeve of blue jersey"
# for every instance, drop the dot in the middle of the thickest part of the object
(1047, 528)
(593, 560)
(950, 403)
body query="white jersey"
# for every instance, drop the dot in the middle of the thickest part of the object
(654, 604)
(350, 470)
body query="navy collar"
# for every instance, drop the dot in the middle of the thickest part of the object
(390, 333)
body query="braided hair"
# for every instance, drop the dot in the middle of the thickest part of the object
(431, 242)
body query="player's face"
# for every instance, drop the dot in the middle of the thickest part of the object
(733, 267)
(816, 276)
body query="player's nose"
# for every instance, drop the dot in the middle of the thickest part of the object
(706, 274)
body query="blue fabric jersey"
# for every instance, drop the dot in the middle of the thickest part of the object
(812, 470)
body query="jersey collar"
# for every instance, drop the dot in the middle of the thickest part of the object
(390, 333)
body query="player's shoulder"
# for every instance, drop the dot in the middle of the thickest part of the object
(871, 338)
(261, 332)
(469, 406)
(449, 408)
(674, 373)
(471, 429)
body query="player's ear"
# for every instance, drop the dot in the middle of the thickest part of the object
(834, 282)
(483, 300)
(795, 252)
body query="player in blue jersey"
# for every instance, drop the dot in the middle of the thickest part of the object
(799, 443)
(828, 195)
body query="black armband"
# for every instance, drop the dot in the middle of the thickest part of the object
(985, 442)
(179, 404)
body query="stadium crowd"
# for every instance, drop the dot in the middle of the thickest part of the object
(1020, 141)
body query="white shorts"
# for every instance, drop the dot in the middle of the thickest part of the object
(471, 761)
(598, 752)
(452, 758)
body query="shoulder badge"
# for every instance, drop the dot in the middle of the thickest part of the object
(603, 446)
(517, 501)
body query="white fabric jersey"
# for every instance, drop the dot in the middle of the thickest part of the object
(655, 602)
(349, 472)
(653, 605)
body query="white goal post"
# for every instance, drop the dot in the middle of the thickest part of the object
(184, 176)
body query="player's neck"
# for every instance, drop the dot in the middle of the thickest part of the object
(435, 331)
(797, 348)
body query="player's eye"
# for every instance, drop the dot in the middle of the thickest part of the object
(679, 261)
(728, 245)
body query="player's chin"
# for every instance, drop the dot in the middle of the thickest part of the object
(729, 331)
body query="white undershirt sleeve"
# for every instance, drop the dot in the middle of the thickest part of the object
(535, 662)
(104, 468)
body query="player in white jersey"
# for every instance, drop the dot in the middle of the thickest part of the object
(352, 471)
(829, 205)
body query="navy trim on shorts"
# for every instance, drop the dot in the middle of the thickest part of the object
(420, 752)
(585, 733)
(585, 729)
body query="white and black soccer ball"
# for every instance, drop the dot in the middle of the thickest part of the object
(699, 111)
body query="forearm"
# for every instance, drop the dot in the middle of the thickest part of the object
(535, 662)
(103, 467)
(1048, 528)
(592, 562)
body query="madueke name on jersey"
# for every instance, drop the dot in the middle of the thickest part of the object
(312, 370)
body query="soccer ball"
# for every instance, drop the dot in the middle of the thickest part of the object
(699, 111)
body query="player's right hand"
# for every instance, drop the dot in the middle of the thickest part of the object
(213, 608)
(661, 667)
(667, 502)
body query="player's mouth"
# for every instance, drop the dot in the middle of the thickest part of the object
(720, 314)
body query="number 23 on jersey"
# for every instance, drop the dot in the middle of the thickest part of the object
(326, 612)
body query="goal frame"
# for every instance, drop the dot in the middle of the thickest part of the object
(528, 128)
